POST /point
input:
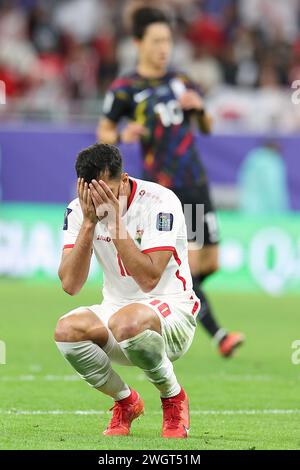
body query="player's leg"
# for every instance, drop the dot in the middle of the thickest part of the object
(204, 262)
(88, 345)
(137, 329)
(150, 339)
(81, 337)
(203, 252)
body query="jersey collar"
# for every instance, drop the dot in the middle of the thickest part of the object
(132, 194)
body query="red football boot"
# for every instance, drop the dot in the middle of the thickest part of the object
(176, 417)
(230, 343)
(124, 412)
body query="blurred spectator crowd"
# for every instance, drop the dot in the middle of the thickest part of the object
(57, 58)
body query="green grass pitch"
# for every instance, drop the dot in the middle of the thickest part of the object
(249, 402)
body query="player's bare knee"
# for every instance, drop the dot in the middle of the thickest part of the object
(133, 325)
(209, 260)
(62, 330)
(67, 330)
(211, 266)
(125, 330)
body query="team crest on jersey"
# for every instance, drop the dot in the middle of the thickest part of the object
(164, 222)
(138, 235)
(67, 212)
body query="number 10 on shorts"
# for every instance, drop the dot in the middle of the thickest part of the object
(163, 308)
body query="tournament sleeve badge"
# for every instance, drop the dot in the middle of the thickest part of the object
(164, 222)
(139, 234)
(67, 212)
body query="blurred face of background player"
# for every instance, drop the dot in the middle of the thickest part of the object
(155, 47)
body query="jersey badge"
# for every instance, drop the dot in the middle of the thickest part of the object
(164, 222)
(67, 212)
(138, 235)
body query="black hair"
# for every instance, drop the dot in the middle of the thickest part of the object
(94, 161)
(143, 17)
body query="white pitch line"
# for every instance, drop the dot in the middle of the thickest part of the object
(193, 412)
(45, 378)
(140, 377)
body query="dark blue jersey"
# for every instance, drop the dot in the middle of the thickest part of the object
(169, 153)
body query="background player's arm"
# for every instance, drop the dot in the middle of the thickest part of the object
(75, 263)
(204, 121)
(107, 132)
(191, 100)
(116, 106)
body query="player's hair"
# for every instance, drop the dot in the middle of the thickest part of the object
(92, 162)
(143, 17)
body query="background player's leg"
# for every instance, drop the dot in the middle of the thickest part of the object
(137, 329)
(206, 316)
(80, 337)
(203, 263)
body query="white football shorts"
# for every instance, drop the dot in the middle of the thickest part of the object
(178, 324)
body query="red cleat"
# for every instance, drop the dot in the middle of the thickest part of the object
(124, 412)
(230, 343)
(176, 416)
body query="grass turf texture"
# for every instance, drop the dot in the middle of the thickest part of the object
(262, 377)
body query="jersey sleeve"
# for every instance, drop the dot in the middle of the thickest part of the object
(163, 227)
(117, 100)
(190, 84)
(72, 225)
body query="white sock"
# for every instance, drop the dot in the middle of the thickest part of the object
(219, 336)
(147, 351)
(93, 365)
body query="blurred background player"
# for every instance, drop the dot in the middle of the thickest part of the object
(164, 107)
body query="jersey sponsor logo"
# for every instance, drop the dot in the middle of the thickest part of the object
(164, 222)
(103, 239)
(142, 95)
(67, 212)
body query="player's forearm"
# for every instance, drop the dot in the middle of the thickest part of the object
(138, 264)
(204, 121)
(74, 268)
(107, 136)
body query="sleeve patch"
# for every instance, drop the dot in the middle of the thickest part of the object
(67, 212)
(164, 222)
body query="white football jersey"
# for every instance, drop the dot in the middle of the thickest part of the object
(155, 221)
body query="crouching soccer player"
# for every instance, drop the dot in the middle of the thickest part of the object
(148, 314)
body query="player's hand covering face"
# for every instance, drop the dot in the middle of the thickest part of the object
(108, 207)
(86, 203)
